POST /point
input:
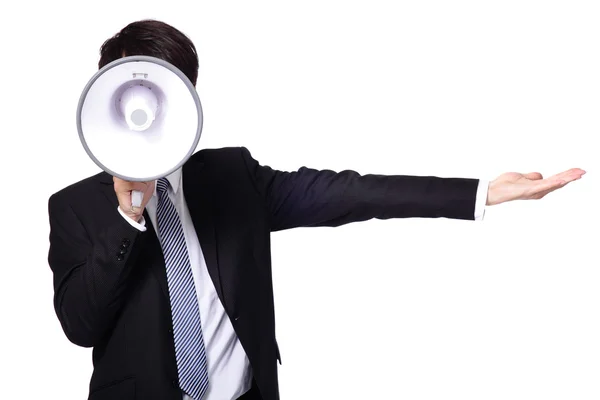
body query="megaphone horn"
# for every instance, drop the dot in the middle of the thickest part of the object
(139, 118)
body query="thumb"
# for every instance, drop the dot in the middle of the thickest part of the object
(536, 176)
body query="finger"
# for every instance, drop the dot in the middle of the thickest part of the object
(139, 186)
(120, 183)
(542, 194)
(127, 186)
(150, 187)
(546, 186)
(570, 175)
(149, 192)
(533, 176)
(557, 181)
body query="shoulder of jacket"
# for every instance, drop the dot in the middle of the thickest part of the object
(76, 189)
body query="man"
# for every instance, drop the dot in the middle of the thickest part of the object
(176, 296)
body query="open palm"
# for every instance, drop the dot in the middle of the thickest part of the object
(516, 186)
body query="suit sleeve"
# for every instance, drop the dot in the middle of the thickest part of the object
(89, 278)
(309, 197)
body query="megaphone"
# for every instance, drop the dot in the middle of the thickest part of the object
(139, 118)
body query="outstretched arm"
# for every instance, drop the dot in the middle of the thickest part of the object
(309, 197)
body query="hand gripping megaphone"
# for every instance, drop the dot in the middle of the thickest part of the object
(139, 118)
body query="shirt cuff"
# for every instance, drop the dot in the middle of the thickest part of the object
(141, 225)
(481, 200)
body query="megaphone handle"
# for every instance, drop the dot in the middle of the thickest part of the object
(136, 198)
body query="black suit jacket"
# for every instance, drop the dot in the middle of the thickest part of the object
(110, 278)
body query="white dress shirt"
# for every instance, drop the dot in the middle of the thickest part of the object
(229, 371)
(480, 199)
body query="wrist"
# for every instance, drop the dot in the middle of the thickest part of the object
(493, 194)
(135, 220)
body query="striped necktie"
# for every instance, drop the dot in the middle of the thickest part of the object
(187, 329)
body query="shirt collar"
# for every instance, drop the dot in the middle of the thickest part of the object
(174, 180)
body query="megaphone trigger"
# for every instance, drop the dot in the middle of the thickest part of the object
(136, 198)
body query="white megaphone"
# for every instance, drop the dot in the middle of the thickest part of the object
(139, 118)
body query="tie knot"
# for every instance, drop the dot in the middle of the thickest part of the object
(162, 185)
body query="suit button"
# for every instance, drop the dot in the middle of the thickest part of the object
(126, 242)
(175, 384)
(122, 251)
(120, 257)
(170, 330)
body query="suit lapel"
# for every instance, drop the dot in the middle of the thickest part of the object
(198, 191)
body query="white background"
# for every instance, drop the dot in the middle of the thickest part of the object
(404, 309)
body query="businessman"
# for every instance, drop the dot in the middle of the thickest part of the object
(176, 296)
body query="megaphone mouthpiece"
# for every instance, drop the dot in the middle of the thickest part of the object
(139, 106)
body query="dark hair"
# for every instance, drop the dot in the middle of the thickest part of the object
(156, 39)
